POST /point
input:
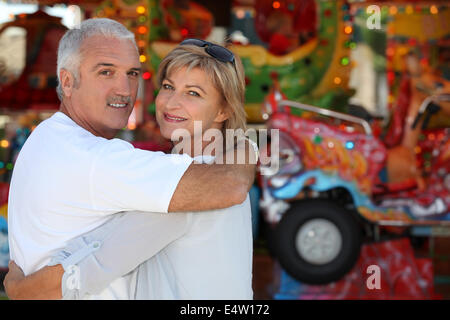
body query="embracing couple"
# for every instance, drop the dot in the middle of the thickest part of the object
(92, 217)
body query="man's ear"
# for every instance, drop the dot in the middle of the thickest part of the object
(67, 82)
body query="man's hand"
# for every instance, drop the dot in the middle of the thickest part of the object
(44, 284)
(217, 186)
(12, 280)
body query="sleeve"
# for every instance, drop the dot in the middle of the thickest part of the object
(124, 178)
(92, 261)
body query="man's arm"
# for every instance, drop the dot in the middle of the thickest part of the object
(216, 186)
(208, 187)
(41, 285)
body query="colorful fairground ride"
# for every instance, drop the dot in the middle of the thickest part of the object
(307, 44)
(27, 75)
(342, 179)
(337, 181)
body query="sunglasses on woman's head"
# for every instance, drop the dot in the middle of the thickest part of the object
(214, 50)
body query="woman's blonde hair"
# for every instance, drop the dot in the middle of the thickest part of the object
(227, 78)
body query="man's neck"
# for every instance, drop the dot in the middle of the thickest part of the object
(68, 111)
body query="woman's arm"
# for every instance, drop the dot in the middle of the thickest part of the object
(43, 284)
(121, 244)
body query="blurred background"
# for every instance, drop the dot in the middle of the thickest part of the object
(359, 207)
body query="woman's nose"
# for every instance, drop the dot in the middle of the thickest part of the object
(173, 101)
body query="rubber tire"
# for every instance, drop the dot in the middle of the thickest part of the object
(288, 256)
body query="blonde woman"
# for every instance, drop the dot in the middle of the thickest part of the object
(208, 255)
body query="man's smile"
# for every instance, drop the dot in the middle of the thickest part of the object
(118, 105)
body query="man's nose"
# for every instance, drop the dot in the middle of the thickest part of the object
(123, 86)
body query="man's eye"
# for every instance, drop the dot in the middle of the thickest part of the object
(106, 72)
(134, 73)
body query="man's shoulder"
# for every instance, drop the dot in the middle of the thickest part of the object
(57, 122)
(59, 135)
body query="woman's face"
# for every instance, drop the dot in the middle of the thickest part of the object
(185, 97)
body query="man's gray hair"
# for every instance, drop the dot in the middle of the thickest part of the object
(69, 55)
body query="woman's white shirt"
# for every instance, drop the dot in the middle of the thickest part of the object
(212, 260)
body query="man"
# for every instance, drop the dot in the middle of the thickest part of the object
(71, 174)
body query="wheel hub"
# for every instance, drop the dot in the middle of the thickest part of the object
(318, 241)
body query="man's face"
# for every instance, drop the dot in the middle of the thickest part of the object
(109, 76)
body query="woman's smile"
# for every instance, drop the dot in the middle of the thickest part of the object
(172, 118)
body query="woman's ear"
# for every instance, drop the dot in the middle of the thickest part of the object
(67, 82)
(222, 115)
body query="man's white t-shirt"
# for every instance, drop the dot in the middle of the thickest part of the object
(66, 182)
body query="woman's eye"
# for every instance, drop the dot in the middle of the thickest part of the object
(193, 93)
(167, 86)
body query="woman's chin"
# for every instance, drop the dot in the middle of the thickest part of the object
(175, 134)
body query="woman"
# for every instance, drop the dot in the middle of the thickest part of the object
(202, 87)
